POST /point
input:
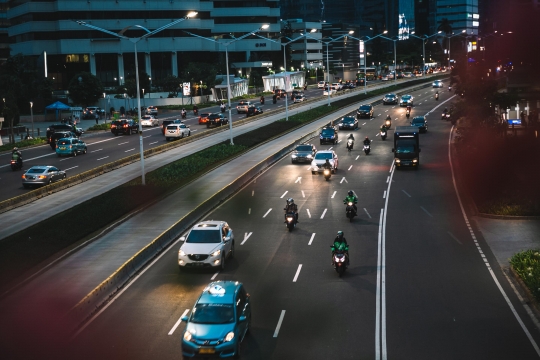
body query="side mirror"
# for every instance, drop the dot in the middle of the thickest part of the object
(242, 318)
(184, 318)
(183, 238)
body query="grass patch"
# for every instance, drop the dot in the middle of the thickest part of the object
(23, 143)
(509, 207)
(527, 265)
(105, 126)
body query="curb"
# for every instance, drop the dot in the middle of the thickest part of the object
(507, 217)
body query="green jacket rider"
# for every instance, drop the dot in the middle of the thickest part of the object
(340, 244)
(351, 198)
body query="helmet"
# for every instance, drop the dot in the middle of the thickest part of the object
(15, 148)
(350, 193)
(367, 138)
(290, 201)
(340, 235)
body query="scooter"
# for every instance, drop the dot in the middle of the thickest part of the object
(290, 220)
(388, 123)
(222, 108)
(327, 174)
(445, 116)
(195, 112)
(449, 88)
(383, 135)
(184, 115)
(408, 114)
(339, 261)
(367, 149)
(350, 144)
(349, 210)
(436, 96)
(15, 165)
(262, 100)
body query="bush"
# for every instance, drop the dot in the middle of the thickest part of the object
(23, 143)
(527, 265)
(106, 126)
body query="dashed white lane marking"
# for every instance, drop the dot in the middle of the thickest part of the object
(391, 168)
(343, 180)
(246, 236)
(357, 157)
(453, 237)
(311, 239)
(193, 130)
(384, 195)
(71, 168)
(127, 142)
(280, 321)
(152, 143)
(214, 276)
(147, 136)
(268, 212)
(367, 213)
(297, 273)
(303, 195)
(252, 192)
(93, 151)
(387, 179)
(330, 148)
(350, 167)
(285, 193)
(406, 193)
(129, 150)
(66, 158)
(309, 167)
(339, 141)
(364, 124)
(102, 158)
(299, 180)
(324, 212)
(427, 212)
(178, 322)
(334, 194)
(308, 213)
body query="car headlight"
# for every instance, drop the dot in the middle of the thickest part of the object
(188, 336)
(340, 124)
(415, 160)
(310, 156)
(398, 161)
(216, 253)
(229, 336)
(181, 253)
(294, 155)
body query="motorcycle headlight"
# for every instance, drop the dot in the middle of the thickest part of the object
(415, 160)
(216, 253)
(229, 336)
(349, 203)
(181, 253)
(289, 218)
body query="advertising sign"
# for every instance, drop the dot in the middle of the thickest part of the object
(186, 89)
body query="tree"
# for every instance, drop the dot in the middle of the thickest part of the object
(85, 89)
(171, 84)
(131, 84)
(195, 72)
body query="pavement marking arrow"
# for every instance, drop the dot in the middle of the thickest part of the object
(299, 180)
(343, 180)
(311, 240)
(246, 236)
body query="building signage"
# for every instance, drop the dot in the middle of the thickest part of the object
(186, 87)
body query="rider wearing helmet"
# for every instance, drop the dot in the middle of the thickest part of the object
(16, 155)
(367, 141)
(291, 207)
(351, 198)
(340, 244)
(327, 165)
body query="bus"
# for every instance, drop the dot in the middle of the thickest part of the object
(370, 73)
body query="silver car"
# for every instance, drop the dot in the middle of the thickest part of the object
(320, 159)
(42, 175)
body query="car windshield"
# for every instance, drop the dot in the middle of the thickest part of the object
(36, 171)
(404, 149)
(365, 107)
(348, 120)
(405, 97)
(303, 148)
(171, 127)
(204, 236)
(328, 132)
(390, 96)
(213, 314)
(418, 121)
(323, 156)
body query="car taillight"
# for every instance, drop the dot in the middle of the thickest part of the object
(113, 126)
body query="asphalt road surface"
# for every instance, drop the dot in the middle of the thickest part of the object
(420, 284)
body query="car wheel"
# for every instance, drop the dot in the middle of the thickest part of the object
(181, 137)
(189, 133)
(85, 151)
(49, 182)
(223, 262)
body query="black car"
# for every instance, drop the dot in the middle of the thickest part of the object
(348, 122)
(164, 124)
(303, 153)
(364, 111)
(328, 135)
(216, 119)
(59, 135)
(280, 93)
(390, 99)
(61, 127)
(420, 122)
(254, 110)
(124, 126)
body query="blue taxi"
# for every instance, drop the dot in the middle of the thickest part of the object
(218, 322)
(70, 146)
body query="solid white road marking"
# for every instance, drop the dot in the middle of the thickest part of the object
(71, 168)
(178, 322)
(427, 212)
(129, 150)
(303, 195)
(334, 194)
(343, 180)
(311, 239)
(214, 276)
(268, 212)
(93, 151)
(387, 179)
(367, 213)
(102, 158)
(299, 180)
(246, 236)
(455, 238)
(350, 167)
(339, 141)
(357, 157)
(285, 193)
(378, 292)
(279, 323)
(406, 193)
(297, 273)
(384, 195)
(330, 148)
(308, 213)
(324, 212)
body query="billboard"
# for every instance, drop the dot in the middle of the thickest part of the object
(186, 87)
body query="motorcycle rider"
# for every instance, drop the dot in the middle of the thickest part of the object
(16, 155)
(291, 207)
(351, 198)
(437, 95)
(184, 113)
(445, 110)
(195, 110)
(367, 141)
(327, 165)
(340, 243)
(384, 129)
(222, 107)
(262, 100)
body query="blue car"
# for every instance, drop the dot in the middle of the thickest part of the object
(218, 322)
(70, 146)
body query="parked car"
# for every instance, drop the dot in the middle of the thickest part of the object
(218, 323)
(303, 153)
(60, 135)
(164, 124)
(70, 146)
(208, 244)
(243, 106)
(124, 126)
(348, 122)
(390, 99)
(203, 118)
(320, 159)
(62, 128)
(364, 111)
(216, 119)
(177, 131)
(299, 98)
(254, 110)
(328, 135)
(42, 175)
(149, 120)
(152, 110)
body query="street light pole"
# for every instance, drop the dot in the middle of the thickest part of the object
(424, 39)
(32, 116)
(135, 41)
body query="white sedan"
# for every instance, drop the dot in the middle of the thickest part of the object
(321, 84)
(149, 120)
(329, 92)
(177, 131)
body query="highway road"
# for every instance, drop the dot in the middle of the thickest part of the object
(420, 285)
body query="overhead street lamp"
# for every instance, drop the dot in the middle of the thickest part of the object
(449, 42)
(424, 38)
(365, 56)
(226, 45)
(135, 40)
(395, 60)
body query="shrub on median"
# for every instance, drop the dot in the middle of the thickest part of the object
(527, 265)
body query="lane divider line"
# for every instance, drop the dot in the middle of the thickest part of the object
(299, 180)
(367, 213)
(249, 211)
(387, 179)
(334, 194)
(297, 273)
(357, 157)
(330, 148)
(378, 292)
(268, 212)
(303, 195)
(129, 150)
(246, 236)
(152, 143)
(427, 212)
(280, 321)
(178, 322)
(285, 193)
(102, 158)
(71, 168)
(214, 276)
(252, 192)
(406, 193)
(324, 212)
(311, 239)
(308, 213)
(350, 167)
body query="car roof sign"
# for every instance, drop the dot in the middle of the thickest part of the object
(216, 290)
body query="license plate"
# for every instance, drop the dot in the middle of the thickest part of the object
(207, 351)
(62, 148)
(406, 163)
(198, 264)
